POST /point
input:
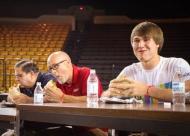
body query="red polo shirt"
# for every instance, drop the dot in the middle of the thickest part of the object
(79, 83)
(79, 88)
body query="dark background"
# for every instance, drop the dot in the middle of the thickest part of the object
(135, 9)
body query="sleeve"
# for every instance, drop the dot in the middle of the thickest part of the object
(131, 70)
(125, 72)
(185, 68)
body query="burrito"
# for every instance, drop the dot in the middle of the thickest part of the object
(123, 82)
(50, 84)
(13, 91)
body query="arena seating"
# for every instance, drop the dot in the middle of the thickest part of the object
(108, 49)
(35, 41)
(105, 47)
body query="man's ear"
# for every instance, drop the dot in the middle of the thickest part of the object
(32, 73)
(157, 45)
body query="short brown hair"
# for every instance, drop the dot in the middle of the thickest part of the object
(151, 30)
(27, 66)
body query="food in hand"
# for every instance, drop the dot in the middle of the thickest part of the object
(13, 91)
(121, 76)
(50, 84)
(123, 83)
(123, 79)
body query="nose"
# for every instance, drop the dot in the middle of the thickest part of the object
(16, 78)
(141, 44)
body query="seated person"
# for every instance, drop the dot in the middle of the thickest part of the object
(151, 77)
(27, 75)
(71, 87)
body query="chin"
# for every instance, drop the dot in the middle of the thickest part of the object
(61, 81)
(142, 59)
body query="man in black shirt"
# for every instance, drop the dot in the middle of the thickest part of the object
(27, 75)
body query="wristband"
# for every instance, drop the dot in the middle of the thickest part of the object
(148, 90)
(62, 97)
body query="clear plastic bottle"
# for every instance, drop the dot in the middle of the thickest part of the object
(38, 94)
(178, 87)
(92, 88)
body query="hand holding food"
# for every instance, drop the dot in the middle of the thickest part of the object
(120, 84)
(48, 89)
(14, 91)
(52, 93)
(50, 84)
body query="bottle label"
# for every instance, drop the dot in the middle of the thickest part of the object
(92, 93)
(93, 88)
(178, 87)
(38, 98)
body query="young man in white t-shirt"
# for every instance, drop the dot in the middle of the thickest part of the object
(151, 77)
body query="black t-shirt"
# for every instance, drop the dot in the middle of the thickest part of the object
(44, 78)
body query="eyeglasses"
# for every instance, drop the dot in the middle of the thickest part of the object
(55, 66)
(18, 75)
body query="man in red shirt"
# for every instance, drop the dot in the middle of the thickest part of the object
(71, 87)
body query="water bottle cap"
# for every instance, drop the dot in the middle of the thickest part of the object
(38, 83)
(93, 71)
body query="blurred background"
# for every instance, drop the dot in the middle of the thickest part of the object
(135, 9)
(95, 33)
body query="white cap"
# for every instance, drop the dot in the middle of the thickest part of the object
(92, 71)
(38, 83)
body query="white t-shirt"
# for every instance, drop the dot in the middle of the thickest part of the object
(160, 76)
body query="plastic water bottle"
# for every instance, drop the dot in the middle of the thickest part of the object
(38, 94)
(92, 88)
(178, 88)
